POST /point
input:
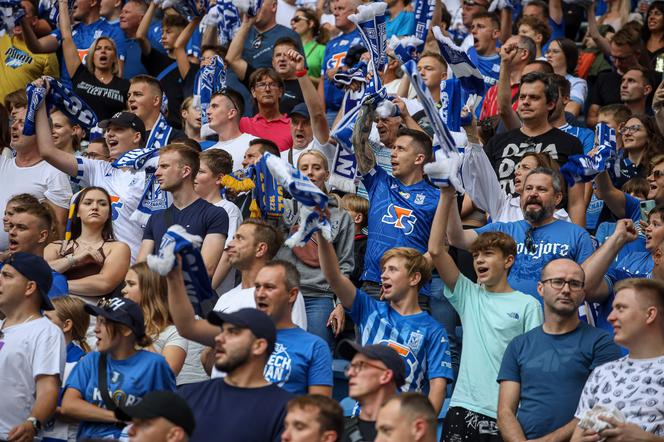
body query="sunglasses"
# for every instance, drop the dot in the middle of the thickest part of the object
(657, 174)
(297, 19)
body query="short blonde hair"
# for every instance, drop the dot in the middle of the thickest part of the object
(318, 154)
(90, 59)
(357, 204)
(415, 262)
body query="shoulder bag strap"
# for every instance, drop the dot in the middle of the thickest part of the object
(103, 383)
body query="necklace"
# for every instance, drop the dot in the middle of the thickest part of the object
(2, 334)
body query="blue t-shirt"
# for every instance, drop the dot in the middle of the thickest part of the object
(198, 218)
(401, 25)
(488, 66)
(335, 53)
(606, 229)
(419, 339)
(128, 381)
(233, 414)
(559, 239)
(552, 370)
(299, 360)
(399, 216)
(585, 136)
(133, 65)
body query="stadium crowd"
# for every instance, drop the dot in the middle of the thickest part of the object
(483, 259)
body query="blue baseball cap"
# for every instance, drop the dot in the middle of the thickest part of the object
(121, 310)
(300, 109)
(260, 324)
(35, 269)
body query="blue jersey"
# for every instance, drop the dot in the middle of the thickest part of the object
(299, 360)
(606, 229)
(133, 65)
(585, 136)
(488, 66)
(401, 25)
(559, 239)
(419, 339)
(128, 381)
(335, 53)
(399, 216)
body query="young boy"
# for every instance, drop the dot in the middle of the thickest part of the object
(492, 314)
(398, 323)
(358, 208)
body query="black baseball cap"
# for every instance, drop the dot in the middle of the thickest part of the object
(35, 269)
(120, 310)
(164, 404)
(125, 119)
(260, 324)
(300, 109)
(388, 356)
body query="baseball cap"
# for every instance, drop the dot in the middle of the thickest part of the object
(125, 119)
(120, 310)
(260, 324)
(300, 109)
(35, 269)
(392, 360)
(164, 404)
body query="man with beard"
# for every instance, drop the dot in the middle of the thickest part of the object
(540, 237)
(243, 405)
(178, 166)
(544, 370)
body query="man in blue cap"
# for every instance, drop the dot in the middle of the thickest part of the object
(241, 406)
(32, 348)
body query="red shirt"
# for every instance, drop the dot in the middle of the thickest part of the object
(277, 130)
(490, 103)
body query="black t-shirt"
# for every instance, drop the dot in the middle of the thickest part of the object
(354, 425)
(231, 414)
(505, 151)
(198, 218)
(606, 89)
(292, 92)
(104, 99)
(171, 83)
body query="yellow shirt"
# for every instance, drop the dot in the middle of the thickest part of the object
(20, 66)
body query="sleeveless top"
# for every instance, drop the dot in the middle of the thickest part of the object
(84, 270)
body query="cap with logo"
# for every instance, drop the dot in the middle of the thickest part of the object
(125, 119)
(260, 324)
(35, 269)
(164, 404)
(121, 310)
(387, 355)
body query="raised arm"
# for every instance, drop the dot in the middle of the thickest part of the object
(234, 54)
(438, 250)
(36, 45)
(456, 235)
(504, 93)
(593, 30)
(612, 197)
(508, 402)
(596, 266)
(329, 265)
(658, 106)
(366, 159)
(505, 24)
(69, 50)
(556, 11)
(64, 161)
(576, 204)
(144, 27)
(182, 311)
(316, 109)
(180, 47)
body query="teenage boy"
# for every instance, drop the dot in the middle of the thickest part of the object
(400, 323)
(492, 314)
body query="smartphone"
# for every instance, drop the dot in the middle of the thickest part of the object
(646, 207)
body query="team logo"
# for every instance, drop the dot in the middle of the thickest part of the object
(279, 366)
(415, 340)
(419, 199)
(401, 218)
(116, 205)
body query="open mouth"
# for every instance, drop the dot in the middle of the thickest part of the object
(133, 108)
(260, 305)
(13, 244)
(482, 271)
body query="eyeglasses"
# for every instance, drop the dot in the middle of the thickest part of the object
(529, 242)
(618, 58)
(559, 283)
(257, 42)
(266, 85)
(93, 155)
(297, 19)
(657, 173)
(358, 366)
(630, 129)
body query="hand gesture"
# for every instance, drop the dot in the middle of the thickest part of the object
(295, 60)
(85, 255)
(337, 320)
(625, 231)
(508, 53)
(622, 431)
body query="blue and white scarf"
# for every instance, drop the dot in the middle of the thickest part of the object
(61, 98)
(584, 168)
(176, 241)
(371, 21)
(11, 13)
(461, 65)
(307, 194)
(226, 17)
(357, 73)
(423, 16)
(187, 8)
(210, 79)
(249, 7)
(404, 48)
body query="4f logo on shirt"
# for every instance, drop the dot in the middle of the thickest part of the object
(401, 218)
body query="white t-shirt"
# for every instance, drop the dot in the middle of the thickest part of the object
(240, 298)
(236, 147)
(27, 350)
(126, 189)
(42, 180)
(234, 221)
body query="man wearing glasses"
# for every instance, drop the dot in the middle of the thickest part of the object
(375, 374)
(544, 370)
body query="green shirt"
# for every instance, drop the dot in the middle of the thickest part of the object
(314, 52)
(490, 321)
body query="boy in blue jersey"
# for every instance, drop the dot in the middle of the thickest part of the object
(485, 29)
(401, 206)
(399, 323)
(492, 314)
(540, 237)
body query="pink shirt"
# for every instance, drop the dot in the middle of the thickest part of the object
(277, 130)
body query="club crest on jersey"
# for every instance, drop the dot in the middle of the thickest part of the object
(401, 218)
(415, 340)
(405, 352)
(419, 198)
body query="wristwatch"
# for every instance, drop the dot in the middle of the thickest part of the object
(35, 424)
